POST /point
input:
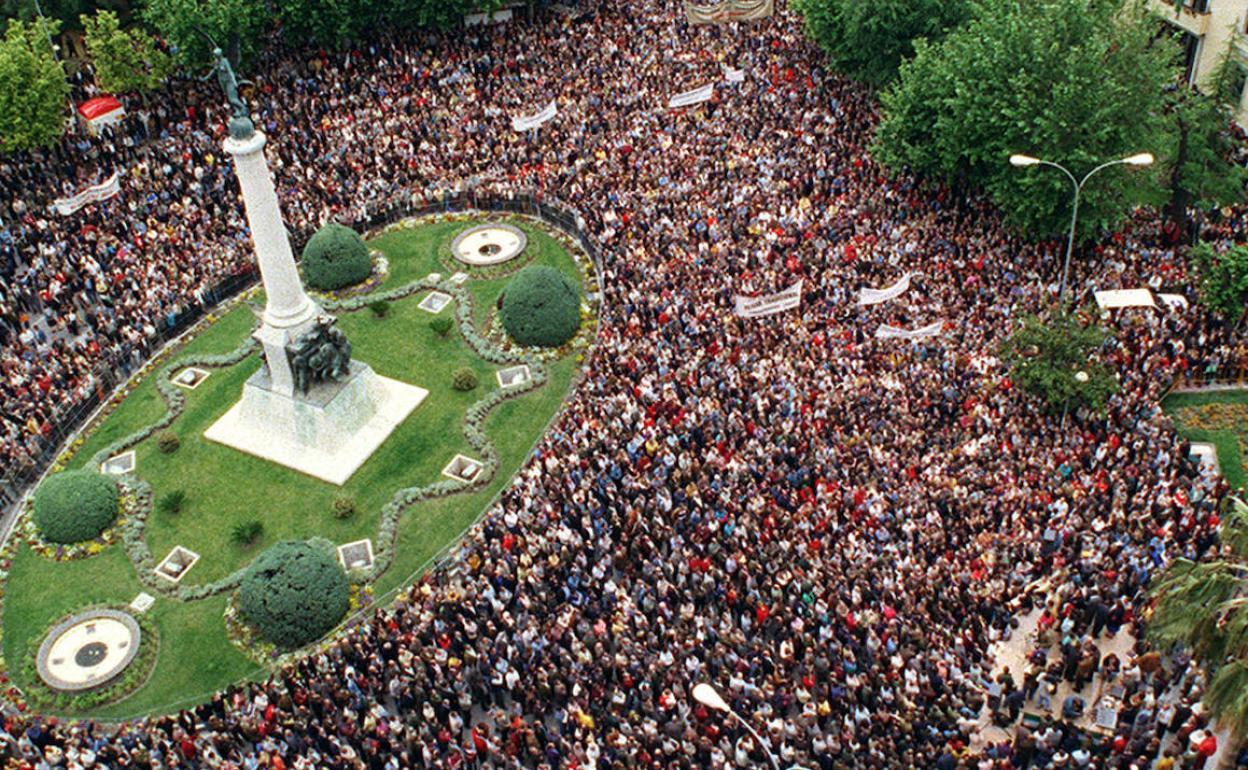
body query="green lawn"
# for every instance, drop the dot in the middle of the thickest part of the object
(194, 656)
(1219, 418)
(225, 487)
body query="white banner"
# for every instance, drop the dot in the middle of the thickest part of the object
(728, 10)
(733, 76)
(528, 122)
(769, 304)
(93, 194)
(886, 332)
(874, 296)
(695, 96)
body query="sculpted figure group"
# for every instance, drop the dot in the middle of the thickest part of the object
(320, 354)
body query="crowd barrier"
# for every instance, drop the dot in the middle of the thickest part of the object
(115, 371)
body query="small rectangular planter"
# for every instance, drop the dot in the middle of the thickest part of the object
(175, 566)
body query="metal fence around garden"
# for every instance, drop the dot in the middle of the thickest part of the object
(114, 371)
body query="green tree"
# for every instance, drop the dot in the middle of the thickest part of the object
(1053, 360)
(1198, 168)
(67, 11)
(867, 41)
(1204, 606)
(125, 60)
(1223, 278)
(336, 23)
(235, 25)
(440, 14)
(327, 22)
(33, 90)
(1077, 82)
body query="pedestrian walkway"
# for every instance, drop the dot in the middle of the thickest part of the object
(1101, 713)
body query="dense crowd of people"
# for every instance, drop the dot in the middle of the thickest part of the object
(832, 528)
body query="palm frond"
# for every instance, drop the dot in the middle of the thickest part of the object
(1235, 528)
(1190, 598)
(1227, 696)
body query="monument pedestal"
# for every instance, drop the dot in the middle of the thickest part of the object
(328, 433)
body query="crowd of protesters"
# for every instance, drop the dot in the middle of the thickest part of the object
(833, 529)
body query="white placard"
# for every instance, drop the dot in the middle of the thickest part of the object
(1174, 300)
(886, 332)
(93, 194)
(769, 304)
(524, 123)
(695, 96)
(733, 76)
(867, 296)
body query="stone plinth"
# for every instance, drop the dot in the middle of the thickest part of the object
(328, 433)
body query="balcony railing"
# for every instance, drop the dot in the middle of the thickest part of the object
(1192, 16)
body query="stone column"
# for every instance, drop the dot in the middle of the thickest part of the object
(288, 310)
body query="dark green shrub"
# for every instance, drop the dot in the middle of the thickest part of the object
(441, 325)
(168, 442)
(335, 257)
(247, 532)
(344, 507)
(541, 307)
(379, 307)
(293, 593)
(171, 502)
(464, 379)
(74, 506)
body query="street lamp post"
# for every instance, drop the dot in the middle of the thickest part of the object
(1022, 161)
(1081, 377)
(44, 24)
(706, 695)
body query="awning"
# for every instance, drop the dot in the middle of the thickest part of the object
(99, 107)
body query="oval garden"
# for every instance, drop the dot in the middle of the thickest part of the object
(226, 562)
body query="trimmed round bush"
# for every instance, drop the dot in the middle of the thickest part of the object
(464, 379)
(541, 307)
(293, 593)
(74, 506)
(336, 256)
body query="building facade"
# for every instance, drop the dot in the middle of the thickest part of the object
(1208, 29)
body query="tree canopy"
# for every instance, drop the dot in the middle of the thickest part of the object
(33, 90)
(1053, 360)
(1198, 168)
(1223, 278)
(867, 41)
(124, 59)
(1070, 81)
(336, 23)
(234, 25)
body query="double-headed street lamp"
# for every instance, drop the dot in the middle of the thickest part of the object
(1139, 159)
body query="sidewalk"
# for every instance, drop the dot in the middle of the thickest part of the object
(1012, 654)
